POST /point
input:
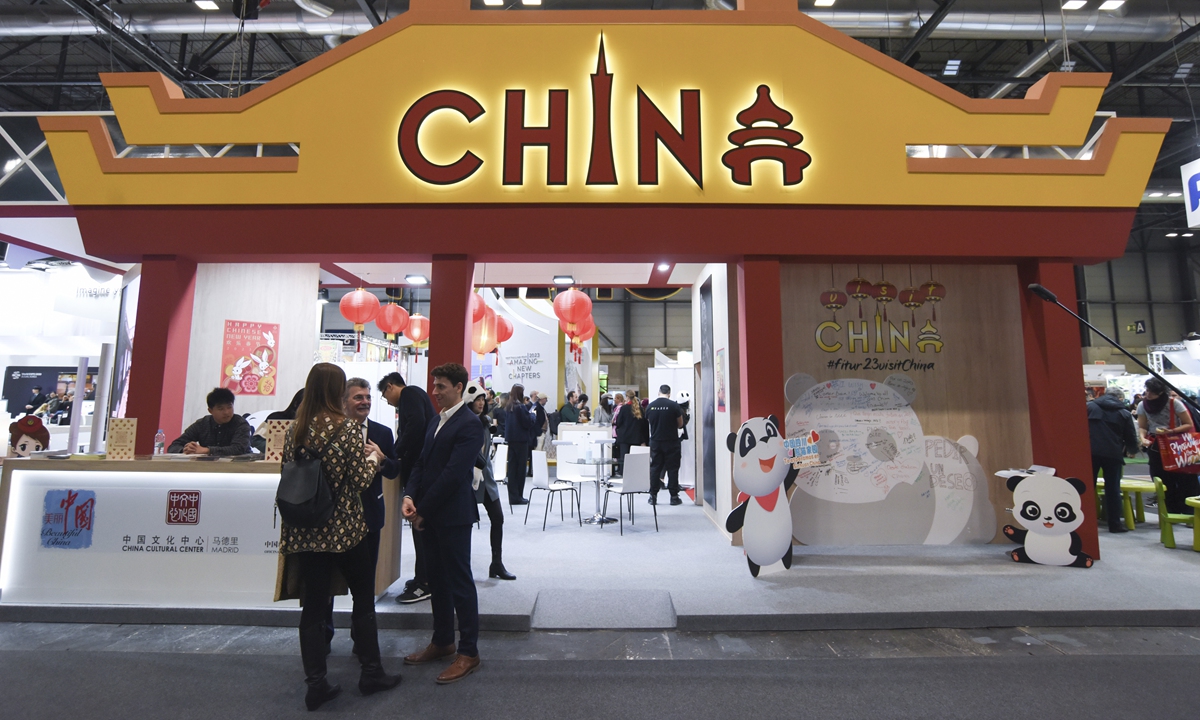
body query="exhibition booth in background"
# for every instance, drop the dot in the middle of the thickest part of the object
(855, 236)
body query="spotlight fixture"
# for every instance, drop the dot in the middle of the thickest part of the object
(1188, 234)
(416, 279)
(531, 2)
(493, 3)
(824, 3)
(564, 280)
(322, 296)
(1174, 194)
(1074, 4)
(1111, 4)
(1156, 194)
(206, 5)
(952, 67)
(663, 267)
(1172, 234)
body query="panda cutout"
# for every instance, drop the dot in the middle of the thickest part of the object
(764, 475)
(1050, 509)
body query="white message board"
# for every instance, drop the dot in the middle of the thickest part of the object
(177, 539)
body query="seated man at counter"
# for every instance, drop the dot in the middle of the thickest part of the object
(221, 432)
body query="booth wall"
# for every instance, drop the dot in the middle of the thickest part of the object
(726, 420)
(970, 383)
(282, 293)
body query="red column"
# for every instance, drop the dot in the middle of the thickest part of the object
(1054, 372)
(760, 338)
(160, 350)
(449, 310)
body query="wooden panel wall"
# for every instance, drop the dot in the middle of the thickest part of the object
(976, 385)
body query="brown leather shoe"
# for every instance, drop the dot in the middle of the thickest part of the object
(462, 666)
(429, 654)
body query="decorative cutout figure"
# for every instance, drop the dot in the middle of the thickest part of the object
(27, 436)
(1050, 509)
(764, 475)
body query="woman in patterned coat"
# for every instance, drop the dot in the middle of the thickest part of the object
(322, 430)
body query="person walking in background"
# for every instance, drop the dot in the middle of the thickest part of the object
(631, 430)
(440, 503)
(518, 433)
(568, 413)
(1113, 436)
(1159, 414)
(309, 556)
(665, 418)
(415, 410)
(486, 491)
(219, 433)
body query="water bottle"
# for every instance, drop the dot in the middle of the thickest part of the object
(160, 442)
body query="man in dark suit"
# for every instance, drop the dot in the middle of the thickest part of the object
(378, 438)
(415, 411)
(440, 503)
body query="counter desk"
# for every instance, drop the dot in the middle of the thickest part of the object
(168, 533)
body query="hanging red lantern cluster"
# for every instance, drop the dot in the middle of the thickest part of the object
(359, 307)
(574, 311)
(884, 292)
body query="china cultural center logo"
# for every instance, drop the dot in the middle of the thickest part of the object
(760, 133)
(183, 507)
(67, 519)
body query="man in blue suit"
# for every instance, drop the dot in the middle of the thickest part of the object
(440, 503)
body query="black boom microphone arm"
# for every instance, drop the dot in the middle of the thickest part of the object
(1050, 297)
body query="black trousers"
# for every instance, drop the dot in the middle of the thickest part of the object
(665, 458)
(495, 513)
(1113, 469)
(1178, 486)
(518, 459)
(372, 543)
(619, 452)
(453, 587)
(316, 569)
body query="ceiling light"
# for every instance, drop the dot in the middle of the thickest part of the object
(11, 165)
(824, 3)
(37, 265)
(493, 3)
(663, 267)
(206, 5)
(952, 67)
(314, 7)
(564, 280)
(1188, 234)
(1074, 4)
(1174, 194)
(323, 296)
(1156, 194)
(1172, 234)
(3, 264)
(1184, 70)
(531, 2)
(1111, 4)
(416, 279)
(1067, 66)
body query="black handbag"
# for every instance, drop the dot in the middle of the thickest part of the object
(304, 498)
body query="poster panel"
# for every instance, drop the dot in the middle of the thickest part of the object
(249, 357)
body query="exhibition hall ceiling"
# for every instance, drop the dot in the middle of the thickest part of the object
(522, 274)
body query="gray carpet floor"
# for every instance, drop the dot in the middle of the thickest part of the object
(103, 685)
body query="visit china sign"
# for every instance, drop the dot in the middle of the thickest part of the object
(760, 134)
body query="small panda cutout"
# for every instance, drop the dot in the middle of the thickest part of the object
(1050, 509)
(763, 473)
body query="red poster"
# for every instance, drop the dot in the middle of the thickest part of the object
(248, 356)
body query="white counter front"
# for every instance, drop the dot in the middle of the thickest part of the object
(183, 534)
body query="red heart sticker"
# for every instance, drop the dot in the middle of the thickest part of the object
(828, 385)
(813, 437)
(872, 386)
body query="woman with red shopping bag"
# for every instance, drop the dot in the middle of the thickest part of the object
(1161, 416)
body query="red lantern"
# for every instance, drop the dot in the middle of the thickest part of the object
(477, 307)
(504, 329)
(586, 330)
(885, 292)
(392, 320)
(935, 292)
(483, 333)
(567, 330)
(912, 298)
(860, 290)
(359, 307)
(572, 306)
(834, 299)
(418, 328)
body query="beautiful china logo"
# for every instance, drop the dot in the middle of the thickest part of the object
(763, 135)
(183, 507)
(887, 335)
(67, 518)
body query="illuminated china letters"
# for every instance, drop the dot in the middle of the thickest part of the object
(410, 126)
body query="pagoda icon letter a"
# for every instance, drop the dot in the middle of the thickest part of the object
(765, 125)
